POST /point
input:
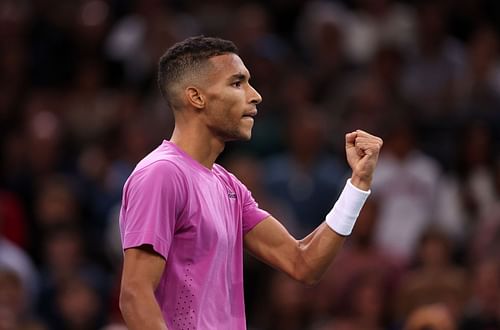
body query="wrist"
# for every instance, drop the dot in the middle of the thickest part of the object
(361, 182)
(344, 213)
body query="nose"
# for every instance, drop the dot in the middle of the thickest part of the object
(255, 97)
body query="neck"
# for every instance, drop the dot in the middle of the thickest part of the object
(198, 143)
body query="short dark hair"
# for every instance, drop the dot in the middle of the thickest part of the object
(187, 56)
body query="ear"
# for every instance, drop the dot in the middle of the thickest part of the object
(195, 97)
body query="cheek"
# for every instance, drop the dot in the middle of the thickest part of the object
(220, 116)
(227, 108)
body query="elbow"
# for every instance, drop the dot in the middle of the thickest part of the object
(305, 273)
(127, 300)
(124, 301)
(302, 270)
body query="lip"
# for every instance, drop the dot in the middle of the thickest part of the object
(251, 113)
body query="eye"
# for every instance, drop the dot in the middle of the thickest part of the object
(236, 84)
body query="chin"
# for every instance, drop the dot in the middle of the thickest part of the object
(238, 137)
(246, 136)
(239, 134)
(241, 137)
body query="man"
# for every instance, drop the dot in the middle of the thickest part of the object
(185, 220)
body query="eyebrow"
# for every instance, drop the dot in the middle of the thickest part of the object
(239, 76)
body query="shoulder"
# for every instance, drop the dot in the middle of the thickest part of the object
(156, 174)
(161, 180)
(160, 166)
(165, 159)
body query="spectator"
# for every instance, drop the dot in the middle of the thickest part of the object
(483, 306)
(405, 185)
(434, 278)
(15, 311)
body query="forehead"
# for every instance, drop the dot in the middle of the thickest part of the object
(227, 65)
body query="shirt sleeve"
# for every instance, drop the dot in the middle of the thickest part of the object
(151, 206)
(252, 214)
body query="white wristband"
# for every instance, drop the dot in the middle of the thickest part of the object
(344, 213)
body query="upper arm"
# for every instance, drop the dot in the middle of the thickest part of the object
(270, 242)
(142, 268)
(142, 271)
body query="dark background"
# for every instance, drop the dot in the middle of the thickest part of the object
(79, 107)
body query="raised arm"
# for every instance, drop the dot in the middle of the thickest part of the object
(306, 260)
(142, 269)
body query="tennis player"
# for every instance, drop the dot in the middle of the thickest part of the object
(185, 220)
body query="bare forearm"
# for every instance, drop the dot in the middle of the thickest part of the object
(315, 254)
(305, 260)
(308, 259)
(141, 311)
(317, 250)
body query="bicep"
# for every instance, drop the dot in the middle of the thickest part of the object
(270, 242)
(142, 267)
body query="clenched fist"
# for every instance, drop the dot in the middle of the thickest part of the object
(362, 150)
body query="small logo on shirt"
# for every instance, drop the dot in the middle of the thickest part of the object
(231, 194)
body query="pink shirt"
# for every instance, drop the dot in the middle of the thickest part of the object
(196, 219)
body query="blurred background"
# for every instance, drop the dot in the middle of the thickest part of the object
(79, 107)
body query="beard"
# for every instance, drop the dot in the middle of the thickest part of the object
(230, 131)
(231, 134)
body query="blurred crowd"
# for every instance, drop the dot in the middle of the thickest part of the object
(79, 107)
